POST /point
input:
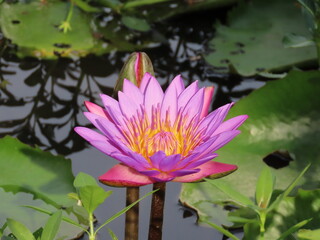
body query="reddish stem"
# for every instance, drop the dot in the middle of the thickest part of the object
(157, 208)
(132, 215)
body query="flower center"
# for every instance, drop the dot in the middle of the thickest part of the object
(163, 141)
(148, 136)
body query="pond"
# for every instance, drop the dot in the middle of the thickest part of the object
(42, 100)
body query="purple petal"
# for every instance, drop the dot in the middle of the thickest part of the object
(89, 134)
(132, 91)
(116, 116)
(139, 159)
(144, 82)
(224, 138)
(150, 173)
(201, 161)
(169, 104)
(110, 102)
(127, 105)
(214, 119)
(169, 162)
(153, 96)
(209, 169)
(184, 172)
(178, 84)
(194, 106)
(215, 143)
(129, 161)
(230, 124)
(105, 126)
(157, 158)
(185, 96)
(123, 176)
(105, 147)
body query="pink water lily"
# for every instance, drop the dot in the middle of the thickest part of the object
(160, 136)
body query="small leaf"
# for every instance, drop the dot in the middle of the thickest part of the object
(66, 219)
(112, 235)
(264, 188)
(305, 234)
(92, 196)
(295, 41)
(136, 23)
(51, 228)
(232, 193)
(222, 230)
(293, 229)
(83, 179)
(288, 189)
(20, 230)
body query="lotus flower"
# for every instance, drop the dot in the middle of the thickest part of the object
(160, 136)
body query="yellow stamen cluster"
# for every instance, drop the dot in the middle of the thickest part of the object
(148, 136)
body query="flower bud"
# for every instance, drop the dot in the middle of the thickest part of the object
(137, 64)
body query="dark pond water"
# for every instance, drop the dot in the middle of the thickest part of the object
(44, 101)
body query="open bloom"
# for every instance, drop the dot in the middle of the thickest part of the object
(160, 137)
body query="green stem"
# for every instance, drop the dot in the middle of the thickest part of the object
(140, 3)
(157, 208)
(262, 217)
(92, 233)
(70, 12)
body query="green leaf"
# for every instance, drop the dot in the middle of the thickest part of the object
(284, 114)
(112, 235)
(288, 189)
(19, 230)
(265, 186)
(293, 229)
(305, 234)
(51, 228)
(232, 193)
(83, 180)
(136, 23)
(86, 7)
(33, 26)
(46, 181)
(18, 159)
(66, 219)
(222, 230)
(252, 40)
(92, 196)
(292, 40)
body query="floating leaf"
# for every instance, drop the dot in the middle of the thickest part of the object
(33, 177)
(34, 26)
(252, 41)
(136, 23)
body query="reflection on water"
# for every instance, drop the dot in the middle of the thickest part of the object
(41, 100)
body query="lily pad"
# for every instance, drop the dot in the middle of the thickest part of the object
(30, 176)
(252, 40)
(35, 26)
(283, 115)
